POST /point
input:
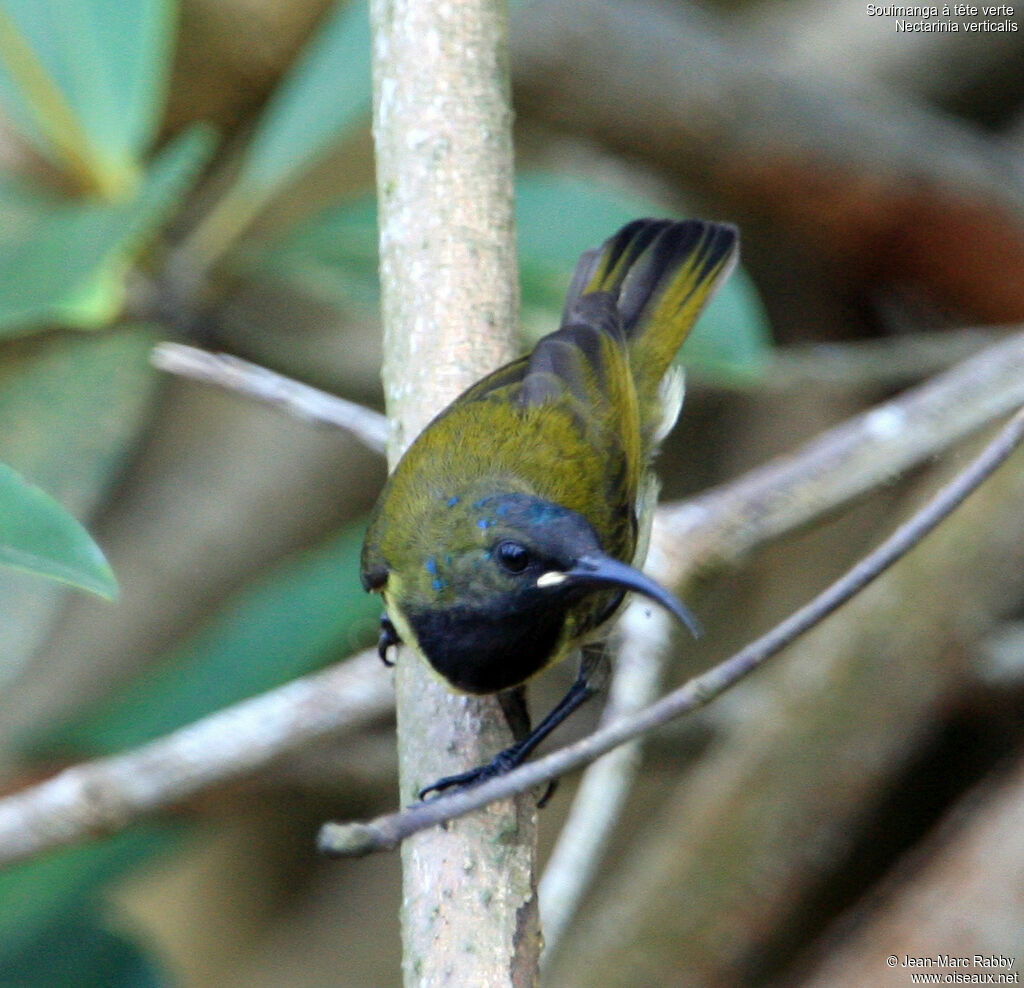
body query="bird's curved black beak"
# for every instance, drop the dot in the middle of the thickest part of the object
(604, 571)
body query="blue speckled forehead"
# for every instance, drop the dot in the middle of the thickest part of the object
(523, 508)
(431, 565)
(543, 518)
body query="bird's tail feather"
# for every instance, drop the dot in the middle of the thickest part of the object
(661, 274)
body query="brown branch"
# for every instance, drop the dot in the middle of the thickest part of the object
(720, 527)
(107, 794)
(297, 399)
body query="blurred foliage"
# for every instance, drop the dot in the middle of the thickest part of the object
(560, 216)
(101, 241)
(90, 956)
(286, 623)
(333, 255)
(70, 408)
(39, 536)
(324, 96)
(67, 261)
(55, 932)
(85, 83)
(111, 224)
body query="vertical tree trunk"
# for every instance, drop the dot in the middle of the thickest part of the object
(442, 126)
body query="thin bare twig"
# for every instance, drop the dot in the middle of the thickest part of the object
(721, 526)
(724, 524)
(994, 377)
(304, 402)
(641, 649)
(387, 832)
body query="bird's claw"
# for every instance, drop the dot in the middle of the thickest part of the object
(388, 637)
(502, 763)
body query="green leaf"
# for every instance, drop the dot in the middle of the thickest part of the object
(90, 956)
(557, 219)
(85, 81)
(326, 93)
(332, 256)
(64, 261)
(732, 339)
(71, 409)
(560, 217)
(300, 616)
(37, 535)
(37, 894)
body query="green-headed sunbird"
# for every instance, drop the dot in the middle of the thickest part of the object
(509, 533)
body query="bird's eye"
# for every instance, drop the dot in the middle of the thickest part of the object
(512, 556)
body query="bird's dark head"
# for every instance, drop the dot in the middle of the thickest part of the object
(494, 588)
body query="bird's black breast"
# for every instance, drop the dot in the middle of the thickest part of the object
(482, 650)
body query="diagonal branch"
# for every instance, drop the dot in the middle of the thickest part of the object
(934, 416)
(387, 832)
(721, 526)
(297, 399)
(105, 795)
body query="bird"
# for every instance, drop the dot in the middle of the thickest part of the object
(510, 533)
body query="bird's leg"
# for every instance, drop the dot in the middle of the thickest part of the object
(517, 714)
(589, 680)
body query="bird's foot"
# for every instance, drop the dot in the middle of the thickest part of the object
(502, 763)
